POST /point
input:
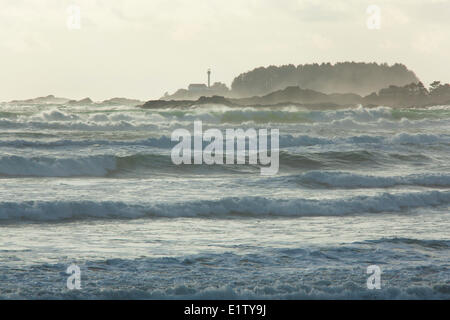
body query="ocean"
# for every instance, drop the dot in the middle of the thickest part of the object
(94, 186)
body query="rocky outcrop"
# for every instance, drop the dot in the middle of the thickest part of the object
(122, 102)
(80, 102)
(157, 104)
(50, 99)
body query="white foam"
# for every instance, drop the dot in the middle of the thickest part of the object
(73, 119)
(54, 115)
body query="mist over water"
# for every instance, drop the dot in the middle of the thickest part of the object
(95, 186)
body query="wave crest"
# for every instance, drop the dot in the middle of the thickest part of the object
(225, 207)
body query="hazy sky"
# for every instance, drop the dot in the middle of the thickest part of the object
(140, 49)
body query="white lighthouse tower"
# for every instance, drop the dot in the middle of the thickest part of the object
(209, 77)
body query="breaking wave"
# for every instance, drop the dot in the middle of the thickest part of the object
(221, 208)
(104, 165)
(285, 141)
(139, 119)
(333, 179)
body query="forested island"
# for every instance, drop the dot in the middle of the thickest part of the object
(326, 84)
(343, 77)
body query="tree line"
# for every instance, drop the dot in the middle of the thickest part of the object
(342, 77)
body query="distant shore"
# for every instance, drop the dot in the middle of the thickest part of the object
(412, 95)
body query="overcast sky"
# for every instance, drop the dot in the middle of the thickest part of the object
(141, 49)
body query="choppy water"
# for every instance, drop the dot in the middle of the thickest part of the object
(95, 186)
